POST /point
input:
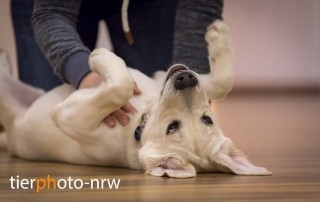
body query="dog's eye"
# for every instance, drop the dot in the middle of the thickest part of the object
(207, 120)
(172, 128)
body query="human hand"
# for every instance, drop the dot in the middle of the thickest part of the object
(93, 79)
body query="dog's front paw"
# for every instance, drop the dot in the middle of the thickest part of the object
(218, 38)
(104, 62)
(116, 79)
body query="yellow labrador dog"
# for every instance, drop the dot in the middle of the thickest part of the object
(173, 134)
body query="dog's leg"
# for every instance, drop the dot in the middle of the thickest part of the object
(84, 110)
(219, 82)
(15, 96)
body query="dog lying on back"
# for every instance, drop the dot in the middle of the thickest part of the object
(173, 134)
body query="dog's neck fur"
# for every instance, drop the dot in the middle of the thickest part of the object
(145, 104)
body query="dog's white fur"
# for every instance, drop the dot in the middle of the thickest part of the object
(178, 139)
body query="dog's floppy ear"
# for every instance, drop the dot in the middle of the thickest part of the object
(172, 167)
(230, 159)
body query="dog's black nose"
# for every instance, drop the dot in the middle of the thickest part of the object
(184, 80)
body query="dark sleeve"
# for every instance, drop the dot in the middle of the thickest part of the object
(54, 23)
(192, 19)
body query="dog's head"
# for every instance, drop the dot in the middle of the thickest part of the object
(181, 136)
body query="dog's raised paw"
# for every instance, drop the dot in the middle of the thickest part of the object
(218, 38)
(218, 27)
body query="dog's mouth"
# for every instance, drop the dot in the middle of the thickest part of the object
(175, 70)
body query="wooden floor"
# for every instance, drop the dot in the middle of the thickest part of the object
(280, 132)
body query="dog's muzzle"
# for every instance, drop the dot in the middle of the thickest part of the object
(183, 77)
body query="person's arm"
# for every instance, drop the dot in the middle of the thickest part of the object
(192, 20)
(54, 24)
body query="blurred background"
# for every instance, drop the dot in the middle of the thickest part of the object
(276, 43)
(274, 109)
